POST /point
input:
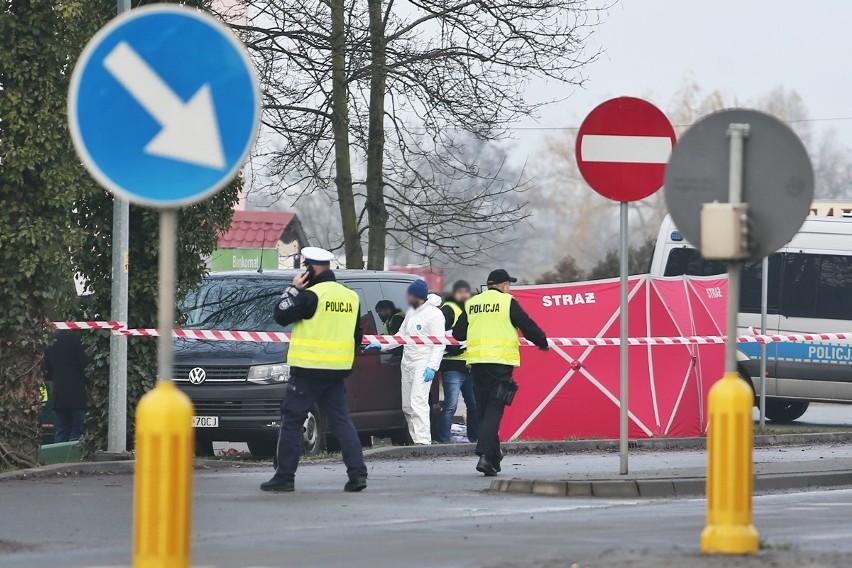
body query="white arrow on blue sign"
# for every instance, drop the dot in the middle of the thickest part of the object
(164, 106)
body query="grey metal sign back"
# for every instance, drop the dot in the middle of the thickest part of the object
(778, 180)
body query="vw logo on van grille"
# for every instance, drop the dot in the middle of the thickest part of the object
(197, 375)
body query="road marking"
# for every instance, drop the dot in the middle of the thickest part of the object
(626, 149)
(464, 513)
(538, 510)
(828, 536)
(190, 131)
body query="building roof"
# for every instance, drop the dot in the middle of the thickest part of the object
(257, 229)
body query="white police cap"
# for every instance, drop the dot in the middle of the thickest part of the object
(316, 255)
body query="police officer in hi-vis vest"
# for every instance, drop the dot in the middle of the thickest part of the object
(490, 324)
(325, 335)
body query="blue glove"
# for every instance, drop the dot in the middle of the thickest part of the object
(373, 346)
(428, 375)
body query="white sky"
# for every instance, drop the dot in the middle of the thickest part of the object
(744, 48)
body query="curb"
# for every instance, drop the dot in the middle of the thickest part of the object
(453, 450)
(574, 446)
(663, 488)
(101, 468)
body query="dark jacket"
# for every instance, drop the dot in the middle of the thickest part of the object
(301, 306)
(65, 364)
(519, 319)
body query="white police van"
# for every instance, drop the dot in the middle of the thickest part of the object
(810, 291)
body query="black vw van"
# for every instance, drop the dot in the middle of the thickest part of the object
(237, 387)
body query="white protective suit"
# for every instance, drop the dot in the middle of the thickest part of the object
(425, 320)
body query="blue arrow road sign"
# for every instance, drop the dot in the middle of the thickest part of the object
(164, 106)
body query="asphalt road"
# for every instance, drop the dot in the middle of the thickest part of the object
(429, 513)
(827, 415)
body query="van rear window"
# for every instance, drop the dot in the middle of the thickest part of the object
(237, 304)
(689, 262)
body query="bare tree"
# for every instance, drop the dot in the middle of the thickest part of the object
(588, 229)
(831, 161)
(374, 95)
(833, 168)
(456, 207)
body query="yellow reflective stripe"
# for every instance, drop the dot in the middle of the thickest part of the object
(324, 357)
(323, 343)
(480, 349)
(319, 352)
(500, 342)
(324, 364)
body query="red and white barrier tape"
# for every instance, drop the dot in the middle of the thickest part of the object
(114, 325)
(280, 337)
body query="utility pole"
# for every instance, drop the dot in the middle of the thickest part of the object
(117, 421)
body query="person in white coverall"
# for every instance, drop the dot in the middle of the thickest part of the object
(419, 362)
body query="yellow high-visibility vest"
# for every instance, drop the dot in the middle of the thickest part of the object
(491, 337)
(457, 311)
(327, 340)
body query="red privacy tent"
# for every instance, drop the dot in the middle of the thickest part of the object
(573, 391)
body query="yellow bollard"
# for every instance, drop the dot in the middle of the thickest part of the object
(162, 497)
(730, 482)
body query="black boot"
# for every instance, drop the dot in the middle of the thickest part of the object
(485, 466)
(496, 462)
(355, 485)
(276, 485)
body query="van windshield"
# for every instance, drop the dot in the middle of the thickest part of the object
(233, 304)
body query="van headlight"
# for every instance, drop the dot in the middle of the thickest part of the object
(269, 374)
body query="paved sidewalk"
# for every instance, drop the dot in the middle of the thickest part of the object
(775, 470)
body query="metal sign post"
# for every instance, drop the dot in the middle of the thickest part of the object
(730, 527)
(117, 413)
(166, 291)
(764, 308)
(164, 437)
(738, 186)
(622, 348)
(622, 149)
(737, 134)
(163, 109)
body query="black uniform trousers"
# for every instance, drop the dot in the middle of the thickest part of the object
(487, 378)
(301, 395)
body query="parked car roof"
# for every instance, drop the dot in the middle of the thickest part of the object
(342, 274)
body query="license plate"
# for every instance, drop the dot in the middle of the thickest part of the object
(205, 421)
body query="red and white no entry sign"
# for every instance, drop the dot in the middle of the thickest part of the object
(623, 147)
